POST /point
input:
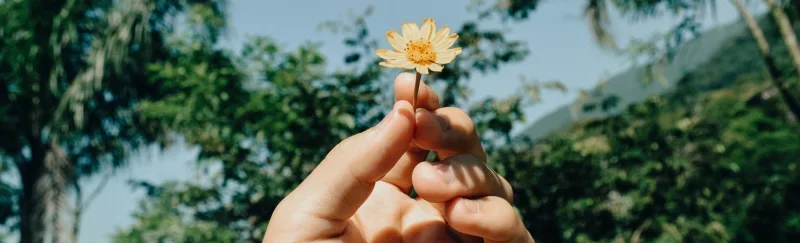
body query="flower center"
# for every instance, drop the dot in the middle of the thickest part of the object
(420, 52)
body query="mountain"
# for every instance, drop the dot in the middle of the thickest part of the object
(629, 88)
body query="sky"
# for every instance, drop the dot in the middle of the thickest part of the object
(560, 43)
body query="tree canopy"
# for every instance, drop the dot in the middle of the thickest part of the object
(713, 160)
(72, 75)
(84, 83)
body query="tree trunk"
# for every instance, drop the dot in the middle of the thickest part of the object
(76, 225)
(32, 207)
(769, 60)
(785, 27)
(33, 203)
(81, 204)
(76, 216)
(55, 235)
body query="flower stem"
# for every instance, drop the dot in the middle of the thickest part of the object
(416, 91)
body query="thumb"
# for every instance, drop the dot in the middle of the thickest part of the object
(338, 186)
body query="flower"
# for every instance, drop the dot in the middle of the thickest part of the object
(420, 49)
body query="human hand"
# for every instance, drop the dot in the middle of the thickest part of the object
(360, 191)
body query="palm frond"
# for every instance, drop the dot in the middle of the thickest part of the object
(596, 13)
(128, 26)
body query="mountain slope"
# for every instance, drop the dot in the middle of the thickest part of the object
(629, 88)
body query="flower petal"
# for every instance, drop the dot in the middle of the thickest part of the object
(404, 63)
(440, 35)
(446, 42)
(428, 28)
(388, 64)
(410, 31)
(396, 40)
(398, 63)
(389, 55)
(422, 69)
(447, 56)
(435, 67)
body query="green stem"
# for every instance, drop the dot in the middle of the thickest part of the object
(432, 156)
(416, 91)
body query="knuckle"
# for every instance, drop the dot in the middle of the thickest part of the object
(344, 145)
(461, 116)
(468, 125)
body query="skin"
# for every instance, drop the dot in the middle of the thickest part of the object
(360, 191)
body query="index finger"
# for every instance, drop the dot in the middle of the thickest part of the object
(400, 175)
(341, 183)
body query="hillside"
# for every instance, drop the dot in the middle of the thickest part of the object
(712, 159)
(629, 88)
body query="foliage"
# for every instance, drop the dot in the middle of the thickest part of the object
(688, 166)
(700, 164)
(163, 221)
(71, 75)
(713, 161)
(265, 117)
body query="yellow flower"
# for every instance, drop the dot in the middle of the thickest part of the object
(420, 49)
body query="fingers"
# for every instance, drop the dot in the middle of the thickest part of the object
(404, 90)
(400, 175)
(448, 131)
(344, 179)
(491, 218)
(458, 176)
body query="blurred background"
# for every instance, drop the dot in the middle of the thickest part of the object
(189, 120)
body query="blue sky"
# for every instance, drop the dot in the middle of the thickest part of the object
(560, 43)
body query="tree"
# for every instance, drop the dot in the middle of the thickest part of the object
(612, 179)
(785, 27)
(777, 78)
(596, 13)
(261, 135)
(71, 74)
(699, 164)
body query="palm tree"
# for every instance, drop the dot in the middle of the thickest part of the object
(71, 73)
(596, 13)
(785, 27)
(775, 74)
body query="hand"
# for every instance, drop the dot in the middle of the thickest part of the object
(360, 191)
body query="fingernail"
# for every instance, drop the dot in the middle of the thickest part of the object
(446, 172)
(471, 206)
(389, 116)
(444, 124)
